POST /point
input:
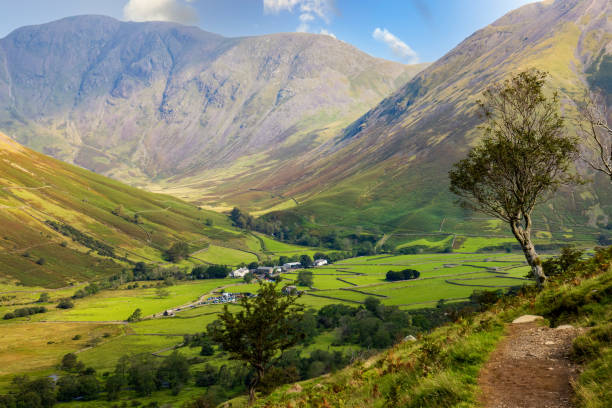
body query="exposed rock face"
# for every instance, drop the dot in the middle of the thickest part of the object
(164, 99)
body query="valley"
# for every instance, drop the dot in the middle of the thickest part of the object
(196, 220)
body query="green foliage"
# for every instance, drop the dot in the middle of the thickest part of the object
(405, 274)
(523, 157)
(38, 393)
(177, 252)
(69, 362)
(65, 303)
(305, 278)
(136, 316)
(82, 387)
(210, 272)
(564, 265)
(306, 261)
(44, 298)
(24, 311)
(260, 330)
(173, 371)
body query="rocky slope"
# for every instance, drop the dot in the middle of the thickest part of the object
(161, 99)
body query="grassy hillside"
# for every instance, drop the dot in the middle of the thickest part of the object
(388, 170)
(63, 224)
(441, 368)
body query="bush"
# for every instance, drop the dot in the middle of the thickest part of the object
(406, 274)
(65, 304)
(564, 264)
(136, 316)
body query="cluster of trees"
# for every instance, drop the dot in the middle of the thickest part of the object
(37, 393)
(88, 290)
(177, 252)
(24, 311)
(210, 272)
(143, 272)
(142, 373)
(370, 326)
(294, 231)
(145, 373)
(83, 239)
(406, 274)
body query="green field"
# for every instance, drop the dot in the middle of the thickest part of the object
(105, 337)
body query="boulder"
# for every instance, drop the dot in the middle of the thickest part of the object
(526, 319)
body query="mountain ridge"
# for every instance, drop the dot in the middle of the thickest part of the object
(161, 98)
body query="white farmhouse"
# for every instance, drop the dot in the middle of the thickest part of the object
(320, 262)
(239, 273)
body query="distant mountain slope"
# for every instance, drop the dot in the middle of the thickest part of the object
(389, 168)
(64, 224)
(155, 100)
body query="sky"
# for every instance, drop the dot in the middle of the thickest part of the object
(407, 31)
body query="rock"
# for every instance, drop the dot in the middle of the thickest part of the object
(410, 337)
(549, 343)
(296, 388)
(564, 327)
(526, 319)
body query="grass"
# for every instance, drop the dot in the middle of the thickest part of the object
(440, 369)
(119, 304)
(215, 254)
(37, 347)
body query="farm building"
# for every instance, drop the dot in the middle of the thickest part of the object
(291, 265)
(320, 262)
(239, 273)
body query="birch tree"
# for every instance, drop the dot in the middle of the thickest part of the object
(523, 157)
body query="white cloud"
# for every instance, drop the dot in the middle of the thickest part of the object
(322, 8)
(325, 32)
(309, 10)
(161, 10)
(397, 46)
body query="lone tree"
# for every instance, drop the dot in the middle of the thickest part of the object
(524, 156)
(256, 334)
(305, 278)
(596, 134)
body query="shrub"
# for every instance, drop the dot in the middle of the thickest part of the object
(136, 316)
(65, 304)
(406, 274)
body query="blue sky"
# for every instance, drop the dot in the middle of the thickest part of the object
(400, 30)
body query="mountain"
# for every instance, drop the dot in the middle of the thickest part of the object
(389, 168)
(144, 101)
(63, 224)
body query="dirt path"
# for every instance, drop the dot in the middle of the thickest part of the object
(530, 368)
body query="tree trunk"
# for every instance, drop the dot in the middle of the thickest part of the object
(523, 236)
(253, 385)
